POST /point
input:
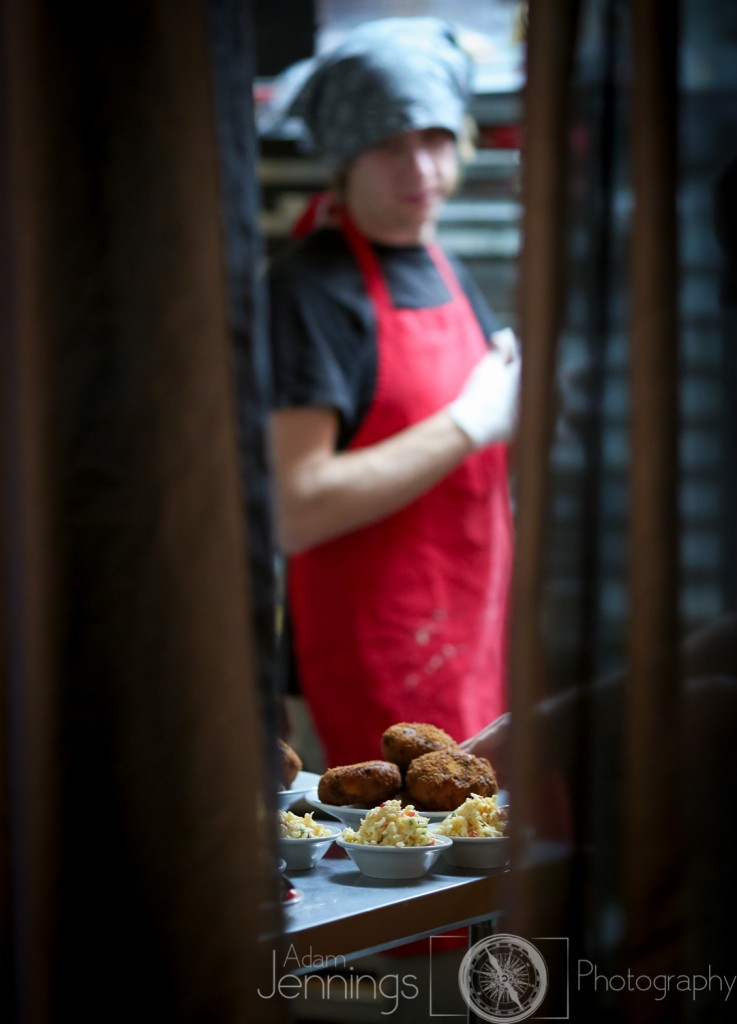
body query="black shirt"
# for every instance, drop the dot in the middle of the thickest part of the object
(323, 328)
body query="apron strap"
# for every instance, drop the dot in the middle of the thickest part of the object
(371, 269)
(368, 262)
(446, 271)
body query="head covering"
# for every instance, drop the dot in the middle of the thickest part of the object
(387, 76)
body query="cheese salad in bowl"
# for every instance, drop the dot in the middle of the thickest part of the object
(393, 842)
(476, 829)
(302, 840)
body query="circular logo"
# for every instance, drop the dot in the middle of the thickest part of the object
(503, 978)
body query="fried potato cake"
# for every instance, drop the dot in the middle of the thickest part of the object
(443, 779)
(363, 784)
(290, 763)
(403, 742)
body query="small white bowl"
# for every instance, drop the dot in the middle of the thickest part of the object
(394, 861)
(353, 816)
(303, 784)
(303, 854)
(479, 852)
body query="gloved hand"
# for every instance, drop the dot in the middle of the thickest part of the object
(486, 408)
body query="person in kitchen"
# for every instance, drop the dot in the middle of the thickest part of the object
(395, 397)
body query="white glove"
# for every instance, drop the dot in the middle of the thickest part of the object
(486, 408)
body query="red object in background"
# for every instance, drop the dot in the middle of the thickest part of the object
(262, 93)
(499, 136)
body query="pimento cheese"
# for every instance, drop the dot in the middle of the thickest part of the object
(391, 824)
(294, 826)
(477, 816)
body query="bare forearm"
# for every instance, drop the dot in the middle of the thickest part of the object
(336, 493)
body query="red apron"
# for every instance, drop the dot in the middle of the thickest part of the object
(405, 619)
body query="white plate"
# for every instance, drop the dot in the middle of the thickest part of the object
(302, 785)
(353, 816)
(395, 861)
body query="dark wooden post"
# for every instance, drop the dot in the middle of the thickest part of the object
(132, 742)
(542, 288)
(653, 859)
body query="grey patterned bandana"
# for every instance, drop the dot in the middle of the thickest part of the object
(387, 76)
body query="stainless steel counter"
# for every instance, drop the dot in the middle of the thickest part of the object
(343, 914)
